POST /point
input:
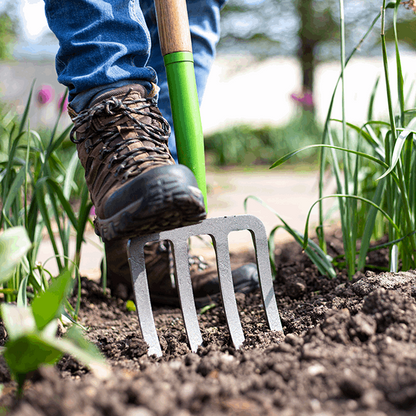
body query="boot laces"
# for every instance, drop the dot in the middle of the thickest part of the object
(129, 164)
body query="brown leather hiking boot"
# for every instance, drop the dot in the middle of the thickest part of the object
(204, 277)
(136, 188)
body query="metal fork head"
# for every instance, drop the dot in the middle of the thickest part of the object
(218, 229)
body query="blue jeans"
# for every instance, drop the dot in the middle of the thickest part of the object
(105, 44)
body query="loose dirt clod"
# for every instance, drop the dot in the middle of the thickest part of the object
(348, 349)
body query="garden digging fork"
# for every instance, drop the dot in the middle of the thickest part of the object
(175, 40)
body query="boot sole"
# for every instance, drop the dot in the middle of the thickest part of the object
(169, 201)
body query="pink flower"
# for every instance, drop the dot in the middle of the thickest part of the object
(92, 212)
(61, 97)
(45, 95)
(304, 99)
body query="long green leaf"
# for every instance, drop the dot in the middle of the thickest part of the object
(369, 225)
(411, 128)
(372, 99)
(362, 154)
(40, 197)
(22, 294)
(70, 174)
(385, 214)
(319, 258)
(55, 189)
(26, 111)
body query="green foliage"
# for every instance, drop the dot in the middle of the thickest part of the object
(32, 332)
(318, 256)
(8, 35)
(374, 166)
(245, 145)
(14, 244)
(38, 188)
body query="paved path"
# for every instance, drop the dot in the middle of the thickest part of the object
(290, 194)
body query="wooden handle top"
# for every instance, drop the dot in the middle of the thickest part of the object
(173, 26)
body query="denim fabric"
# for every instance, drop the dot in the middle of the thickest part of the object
(105, 44)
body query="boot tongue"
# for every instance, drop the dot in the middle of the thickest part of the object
(128, 94)
(120, 93)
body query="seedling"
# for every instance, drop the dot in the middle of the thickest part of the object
(32, 333)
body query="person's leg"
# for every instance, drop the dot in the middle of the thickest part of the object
(102, 44)
(120, 134)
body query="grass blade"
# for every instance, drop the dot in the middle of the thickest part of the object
(319, 258)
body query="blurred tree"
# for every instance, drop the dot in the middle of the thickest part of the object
(8, 35)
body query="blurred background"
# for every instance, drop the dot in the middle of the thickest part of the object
(285, 51)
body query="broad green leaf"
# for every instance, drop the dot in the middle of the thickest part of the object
(50, 330)
(18, 321)
(29, 352)
(48, 304)
(74, 334)
(14, 244)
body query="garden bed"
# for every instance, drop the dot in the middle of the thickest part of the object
(348, 349)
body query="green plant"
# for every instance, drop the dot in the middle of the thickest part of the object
(8, 33)
(40, 193)
(375, 170)
(245, 145)
(32, 340)
(14, 244)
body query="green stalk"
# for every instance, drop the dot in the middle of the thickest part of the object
(393, 197)
(399, 66)
(349, 217)
(389, 188)
(322, 157)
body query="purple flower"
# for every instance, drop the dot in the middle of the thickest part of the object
(304, 99)
(45, 95)
(92, 212)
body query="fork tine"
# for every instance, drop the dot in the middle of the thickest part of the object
(218, 229)
(186, 295)
(135, 249)
(258, 234)
(227, 289)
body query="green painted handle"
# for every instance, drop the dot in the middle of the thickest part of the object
(186, 116)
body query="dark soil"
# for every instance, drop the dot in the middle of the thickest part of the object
(348, 349)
